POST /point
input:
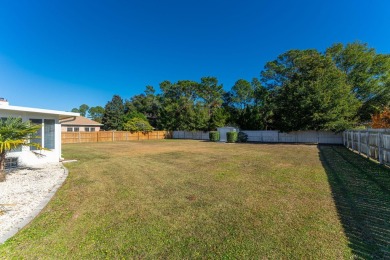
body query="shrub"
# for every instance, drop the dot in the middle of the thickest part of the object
(137, 124)
(242, 137)
(214, 136)
(231, 137)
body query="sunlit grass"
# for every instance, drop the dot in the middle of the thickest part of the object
(187, 199)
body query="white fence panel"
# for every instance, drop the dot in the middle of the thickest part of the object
(272, 136)
(325, 137)
(178, 135)
(373, 143)
(262, 136)
(195, 135)
(288, 138)
(307, 137)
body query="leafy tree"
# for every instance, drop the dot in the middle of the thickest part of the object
(96, 113)
(381, 120)
(309, 92)
(368, 74)
(83, 109)
(242, 92)
(134, 114)
(178, 110)
(245, 104)
(262, 107)
(113, 114)
(13, 133)
(211, 94)
(137, 124)
(147, 104)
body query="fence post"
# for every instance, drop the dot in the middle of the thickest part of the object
(352, 141)
(112, 136)
(344, 138)
(79, 137)
(368, 145)
(157, 136)
(138, 135)
(359, 137)
(380, 154)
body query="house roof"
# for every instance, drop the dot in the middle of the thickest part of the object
(79, 120)
(61, 114)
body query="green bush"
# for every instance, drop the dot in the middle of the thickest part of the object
(242, 137)
(137, 124)
(214, 136)
(231, 137)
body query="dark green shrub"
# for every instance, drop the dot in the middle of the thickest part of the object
(214, 136)
(242, 137)
(231, 137)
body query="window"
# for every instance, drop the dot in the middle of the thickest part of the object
(92, 129)
(37, 137)
(76, 129)
(69, 129)
(49, 133)
(86, 129)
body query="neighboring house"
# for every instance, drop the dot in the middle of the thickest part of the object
(79, 124)
(49, 136)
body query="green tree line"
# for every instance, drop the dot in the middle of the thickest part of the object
(300, 90)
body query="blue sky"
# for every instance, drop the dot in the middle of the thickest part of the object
(60, 54)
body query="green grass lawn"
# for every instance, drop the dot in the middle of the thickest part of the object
(189, 199)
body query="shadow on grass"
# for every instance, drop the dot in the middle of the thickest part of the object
(361, 192)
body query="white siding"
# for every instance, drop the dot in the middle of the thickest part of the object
(52, 155)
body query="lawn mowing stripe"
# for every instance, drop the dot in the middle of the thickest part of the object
(361, 239)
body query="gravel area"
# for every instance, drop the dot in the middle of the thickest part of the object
(25, 193)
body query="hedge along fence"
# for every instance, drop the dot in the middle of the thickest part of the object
(112, 136)
(373, 143)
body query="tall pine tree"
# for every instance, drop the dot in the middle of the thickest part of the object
(113, 114)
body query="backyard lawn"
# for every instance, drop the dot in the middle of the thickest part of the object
(191, 199)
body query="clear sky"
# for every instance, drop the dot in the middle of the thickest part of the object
(60, 54)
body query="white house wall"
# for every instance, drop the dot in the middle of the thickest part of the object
(50, 156)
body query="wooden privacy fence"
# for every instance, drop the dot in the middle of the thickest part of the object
(321, 137)
(373, 143)
(111, 136)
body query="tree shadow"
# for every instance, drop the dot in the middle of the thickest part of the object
(361, 192)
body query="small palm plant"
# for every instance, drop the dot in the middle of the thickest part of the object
(14, 133)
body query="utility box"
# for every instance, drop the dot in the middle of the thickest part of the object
(223, 130)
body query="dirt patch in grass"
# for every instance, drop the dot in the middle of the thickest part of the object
(188, 199)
